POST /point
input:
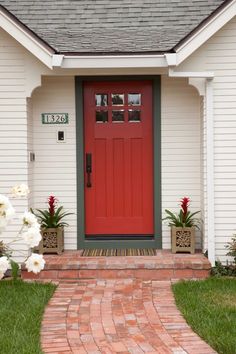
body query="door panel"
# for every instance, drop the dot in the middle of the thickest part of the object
(119, 137)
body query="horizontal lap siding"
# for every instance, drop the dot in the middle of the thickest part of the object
(180, 135)
(218, 54)
(54, 169)
(13, 127)
(221, 58)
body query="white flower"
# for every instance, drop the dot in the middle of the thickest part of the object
(21, 190)
(4, 264)
(35, 263)
(32, 236)
(4, 204)
(6, 212)
(10, 212)
(29, 219)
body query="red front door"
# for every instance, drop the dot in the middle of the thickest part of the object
(118, 158)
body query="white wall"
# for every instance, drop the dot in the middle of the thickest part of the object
(19, 73)
(13, 126)
(181, 170)
(54, 169)
(218, 54)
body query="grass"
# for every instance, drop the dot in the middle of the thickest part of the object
(21, 310)
(209, 307)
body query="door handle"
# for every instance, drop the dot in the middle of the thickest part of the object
(89, 169)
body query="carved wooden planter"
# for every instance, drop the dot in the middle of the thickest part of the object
(52, 240)
(183, 239)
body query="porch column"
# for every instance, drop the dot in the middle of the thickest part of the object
(203, 81)
(205, 89)
(210, 188)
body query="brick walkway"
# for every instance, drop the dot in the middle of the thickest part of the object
(117, 316)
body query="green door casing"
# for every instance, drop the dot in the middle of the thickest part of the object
(135, 242)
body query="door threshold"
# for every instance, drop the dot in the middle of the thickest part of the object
(118, 237)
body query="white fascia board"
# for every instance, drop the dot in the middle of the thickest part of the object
(114, 62)
(26, 39)
(206, 32)
(192, 74)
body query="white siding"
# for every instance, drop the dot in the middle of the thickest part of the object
(219, 55)
(13, 126)
(222, 60)
(181, 170)
(20, 73)
(54, 169)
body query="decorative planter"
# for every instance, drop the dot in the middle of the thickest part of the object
(52, 240)
(183, 239)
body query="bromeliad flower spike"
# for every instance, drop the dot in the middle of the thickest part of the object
(184, 218)
(53, 216)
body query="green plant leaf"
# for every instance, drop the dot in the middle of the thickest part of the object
(14, 269)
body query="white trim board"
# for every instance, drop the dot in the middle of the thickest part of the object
(26, 39)
(204, 33)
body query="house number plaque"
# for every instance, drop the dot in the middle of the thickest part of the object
(55, 118)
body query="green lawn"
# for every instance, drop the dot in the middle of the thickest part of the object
(209, 307)
(21, 310)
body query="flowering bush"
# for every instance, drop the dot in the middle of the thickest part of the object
(184, 218)
(52, 217)
(29, 233)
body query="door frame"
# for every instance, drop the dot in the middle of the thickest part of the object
(138, 242)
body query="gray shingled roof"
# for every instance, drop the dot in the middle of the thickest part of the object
(111, 26)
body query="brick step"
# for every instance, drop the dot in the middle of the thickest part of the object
(164, 266)
(143, 274)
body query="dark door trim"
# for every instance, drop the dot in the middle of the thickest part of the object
(156, 241)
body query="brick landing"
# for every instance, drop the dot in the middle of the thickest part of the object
(117, 316)
(163, 266)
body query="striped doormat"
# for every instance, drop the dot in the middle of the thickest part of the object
(118, 252)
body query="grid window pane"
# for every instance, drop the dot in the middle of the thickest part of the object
(101, 99)
(101, 116)
(118, 99)
(134, 99)
(118, 116)
(134, 115)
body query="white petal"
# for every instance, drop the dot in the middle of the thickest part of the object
(4, 264)
(35, 263)
(20, 190)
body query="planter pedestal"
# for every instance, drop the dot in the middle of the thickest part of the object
(52, 240)
(182, 239)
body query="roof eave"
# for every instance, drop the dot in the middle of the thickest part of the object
(26, 37)
(50, 57)
(205, 30)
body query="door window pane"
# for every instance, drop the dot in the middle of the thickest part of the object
(118, 116)
(134, 115)
(101, 116)
(101, 99)
(134, 99)
(117, 99)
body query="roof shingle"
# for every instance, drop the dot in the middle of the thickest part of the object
(111, 26)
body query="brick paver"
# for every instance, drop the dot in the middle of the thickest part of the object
(117, 316)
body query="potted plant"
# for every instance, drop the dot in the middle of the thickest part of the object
(183, 226)
(52, 227)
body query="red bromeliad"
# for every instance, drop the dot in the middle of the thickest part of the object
(184, 206)
(53, 216)
(184, 218)
(52, 204)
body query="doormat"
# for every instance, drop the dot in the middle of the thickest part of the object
(118, 252)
